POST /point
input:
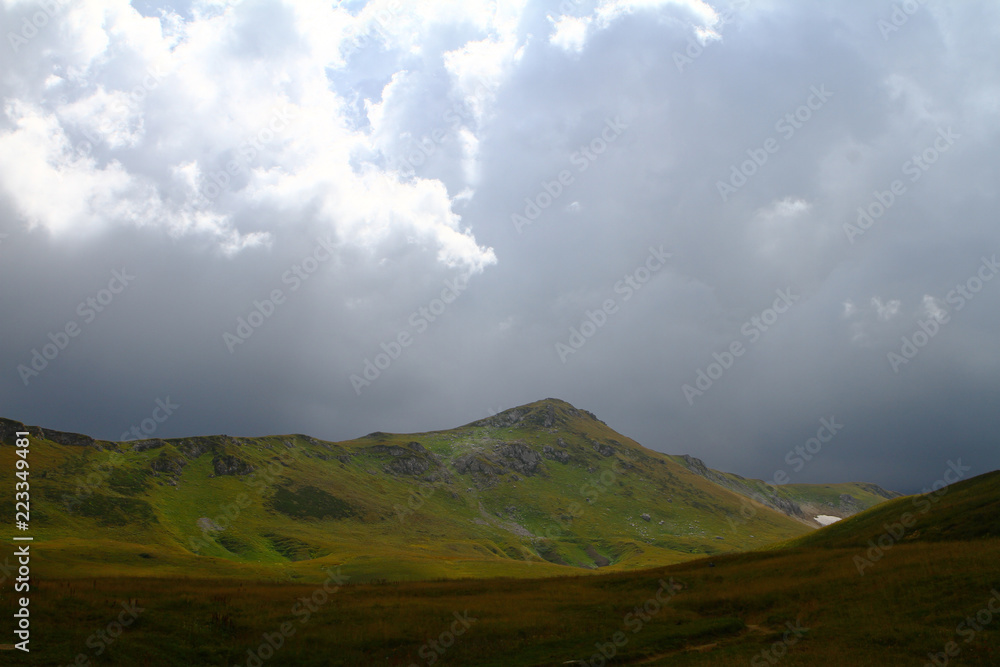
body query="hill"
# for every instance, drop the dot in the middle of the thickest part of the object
(966, 510)
(538, 490)
(800, 501)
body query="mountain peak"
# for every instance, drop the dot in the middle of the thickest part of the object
(546, 413)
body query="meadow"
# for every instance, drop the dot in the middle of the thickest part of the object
(800, 606)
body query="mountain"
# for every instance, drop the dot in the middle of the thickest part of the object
(800, 501)
(848, 594)
(543, 489)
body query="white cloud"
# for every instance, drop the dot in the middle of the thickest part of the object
(240, 112)
(479, 68)
(570, 32)
(610, 10)
(55, 186)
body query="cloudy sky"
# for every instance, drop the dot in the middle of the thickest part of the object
(712, 224)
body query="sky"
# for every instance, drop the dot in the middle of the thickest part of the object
(763, 233)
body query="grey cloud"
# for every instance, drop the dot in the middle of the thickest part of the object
(495, 344)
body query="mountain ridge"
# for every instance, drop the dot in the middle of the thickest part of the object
(543, 488)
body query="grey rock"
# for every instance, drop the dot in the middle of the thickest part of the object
(392, 450)
(413, 460)
(227, 464)
(408, 465)
(166, 464)
(68, 439)
(474, 463)
(603, 449)
(518, 456)
(145, 445)
(553, 454)
(9, 429)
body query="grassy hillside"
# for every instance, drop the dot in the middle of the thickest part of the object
(802, 501)
(800, 607)
(966, 510)
(928, 594)
(534, 491)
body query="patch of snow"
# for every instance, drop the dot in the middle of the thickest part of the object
(826, 519)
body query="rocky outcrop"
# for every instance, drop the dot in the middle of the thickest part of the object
(553, 454)
(503, 419)
(227, 464)
(506, 458)
(603, 449)
(391, 450)
(195, 447)
(412, 460)
(475, 463)
(408, 465)
(546, 414)
(518, 456)
(9, 429)
(146, 445)
(68, 439)
(168, 464)
(550, 416)
(744, 488)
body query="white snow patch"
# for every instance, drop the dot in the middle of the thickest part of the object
(826, 519)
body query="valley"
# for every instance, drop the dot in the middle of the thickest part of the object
(538, 536)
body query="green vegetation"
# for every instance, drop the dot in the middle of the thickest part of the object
(802, 500)
(116, 510)
(516, 540)
(724, 615)
(309, 503)
(534, 491)
(965, 510)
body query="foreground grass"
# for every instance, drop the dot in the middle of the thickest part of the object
(908, 604)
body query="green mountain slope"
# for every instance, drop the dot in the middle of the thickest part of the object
(539, 490)
(963, 511)
(800, 501)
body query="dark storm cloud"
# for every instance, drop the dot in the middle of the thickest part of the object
(390, 213)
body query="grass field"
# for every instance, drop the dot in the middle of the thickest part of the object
(910, 605)
(804, 603)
